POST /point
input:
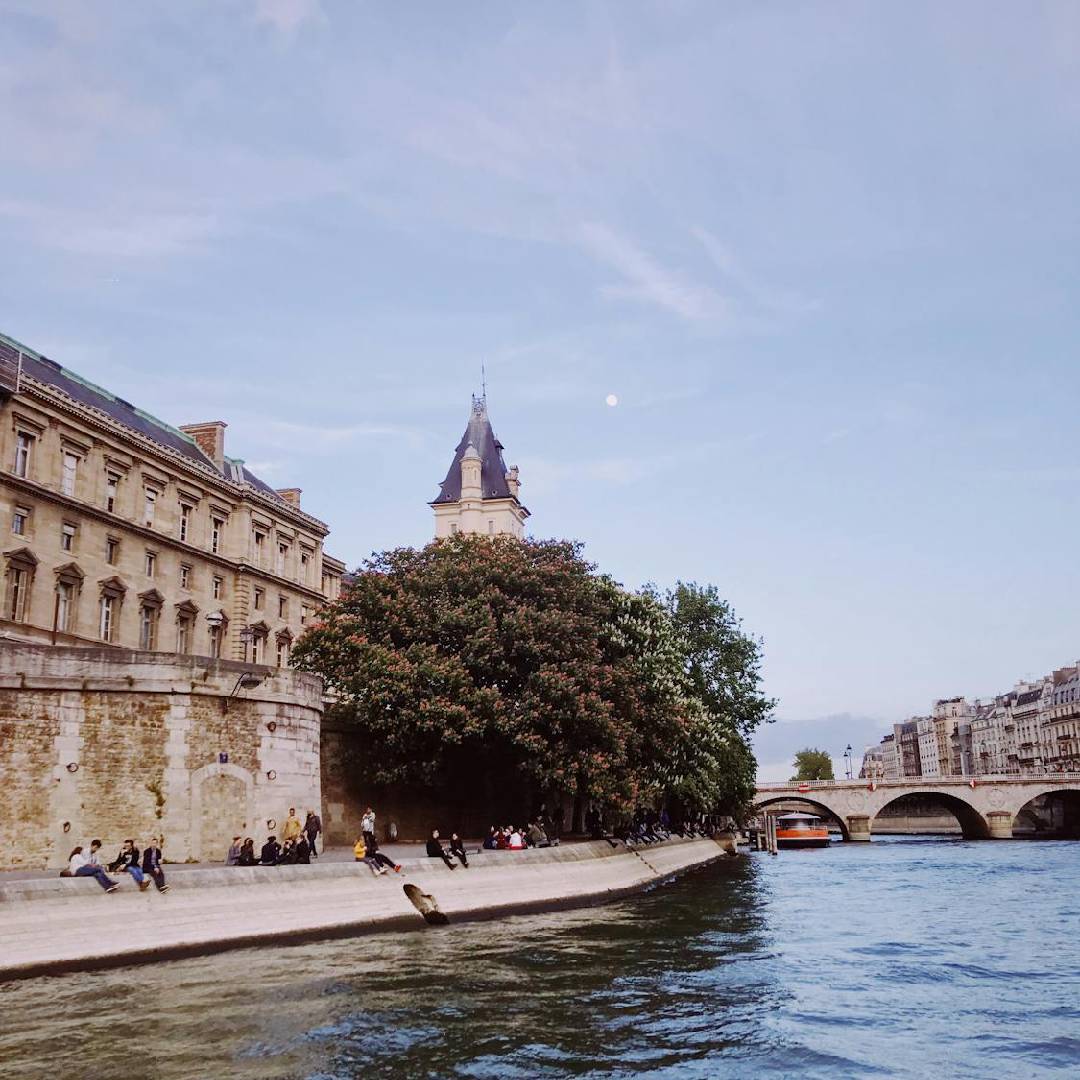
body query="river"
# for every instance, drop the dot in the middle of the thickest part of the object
(905, 957)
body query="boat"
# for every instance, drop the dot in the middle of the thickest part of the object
(800, 831)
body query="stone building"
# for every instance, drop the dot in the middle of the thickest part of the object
(1061, 720)
(110, 743)
(480, 494)
(1027, 703)
(120, 530)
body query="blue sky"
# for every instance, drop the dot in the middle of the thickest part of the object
(825, 255)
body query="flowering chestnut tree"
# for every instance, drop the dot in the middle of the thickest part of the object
(501, 669)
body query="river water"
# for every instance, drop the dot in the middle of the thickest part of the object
(903, 957)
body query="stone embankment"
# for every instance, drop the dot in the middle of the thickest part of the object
(66, 924)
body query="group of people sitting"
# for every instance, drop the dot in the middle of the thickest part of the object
(513, 838)
(144, 868)
(297, 844)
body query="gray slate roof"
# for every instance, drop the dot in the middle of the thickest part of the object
(48, 371)
(492, 466)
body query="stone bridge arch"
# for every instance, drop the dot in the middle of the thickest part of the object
(820, 807)
(1070, 794)
(973, 824)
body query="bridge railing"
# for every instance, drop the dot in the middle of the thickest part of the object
(909, 781)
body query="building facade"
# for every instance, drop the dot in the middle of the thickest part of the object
(1061, 720)
(120, 530)
(480, 495)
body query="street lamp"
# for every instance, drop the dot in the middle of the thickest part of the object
(847, 760)
(246, 636)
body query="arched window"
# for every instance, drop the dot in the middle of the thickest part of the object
(149, 619)
(112, 599)
(69, 581)
(21, 567)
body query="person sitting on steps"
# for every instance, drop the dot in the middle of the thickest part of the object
(458, 848)
(128, 862)
(435, 850)
(80, 866)
(151, 864)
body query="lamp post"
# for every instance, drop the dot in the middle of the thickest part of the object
(847, 761)
(246, 635)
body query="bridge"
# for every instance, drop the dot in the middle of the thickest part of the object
(985, 806)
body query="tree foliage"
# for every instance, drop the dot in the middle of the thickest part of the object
(813, 765)
(489, 664)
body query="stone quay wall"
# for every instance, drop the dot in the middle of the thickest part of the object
(112, 743)
(66, 924)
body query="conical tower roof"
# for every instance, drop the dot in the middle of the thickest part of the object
(481, 438)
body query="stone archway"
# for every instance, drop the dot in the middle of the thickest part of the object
(1058, 818)
(820, 807)
(222, 805)
(973, 825)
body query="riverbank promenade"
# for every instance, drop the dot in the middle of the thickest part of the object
(55, 924)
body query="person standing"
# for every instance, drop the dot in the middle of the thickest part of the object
(367, 825)
(292, 827)
(79, 865)
(312, 828)
(128, 862)
(151, 864)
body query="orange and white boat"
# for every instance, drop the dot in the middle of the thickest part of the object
(800, 830)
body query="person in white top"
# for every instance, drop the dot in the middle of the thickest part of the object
(80, 865)
(516, 843)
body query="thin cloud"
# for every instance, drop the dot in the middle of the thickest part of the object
(647, 281)
(287, 16)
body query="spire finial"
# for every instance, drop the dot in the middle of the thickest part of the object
(483, 382)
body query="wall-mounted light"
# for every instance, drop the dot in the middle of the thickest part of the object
(72, 766)
(67, 826)
(271, 823)
(270, 774)
(272, 726)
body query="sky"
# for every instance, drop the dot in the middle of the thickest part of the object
(824, 254)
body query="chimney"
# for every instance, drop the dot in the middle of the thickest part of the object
(291, 496)
(210, 438)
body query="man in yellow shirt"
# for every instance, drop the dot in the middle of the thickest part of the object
(291, 829)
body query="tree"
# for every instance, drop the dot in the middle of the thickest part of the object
(813, 765)
(496, 671)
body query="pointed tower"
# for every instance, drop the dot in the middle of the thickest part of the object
(479, 494)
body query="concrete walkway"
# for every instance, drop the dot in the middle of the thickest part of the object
(55, 924)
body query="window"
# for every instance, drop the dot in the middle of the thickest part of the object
(70, 471)
(305, 567)
(282, 558)
(148, 623)
(110, 606)
(491, 527)
(67, 536)
(18, 593)
(20, 520)
(219, 588)
(259, 599)
(282, 607)
(112, 487)
(149, 506)
(217, 527)
(112, 550)
(258, 648)
(151, 563)
(65, 606)
(185, 576)
(303, 614)
(260, 547)
(185, 624)
(217, 635)
(185, 521)
(453, 528)
(283, 652)
(24, 445)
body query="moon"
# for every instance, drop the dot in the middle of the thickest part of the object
(612, 400)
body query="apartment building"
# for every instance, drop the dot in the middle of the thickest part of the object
(119, 529)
